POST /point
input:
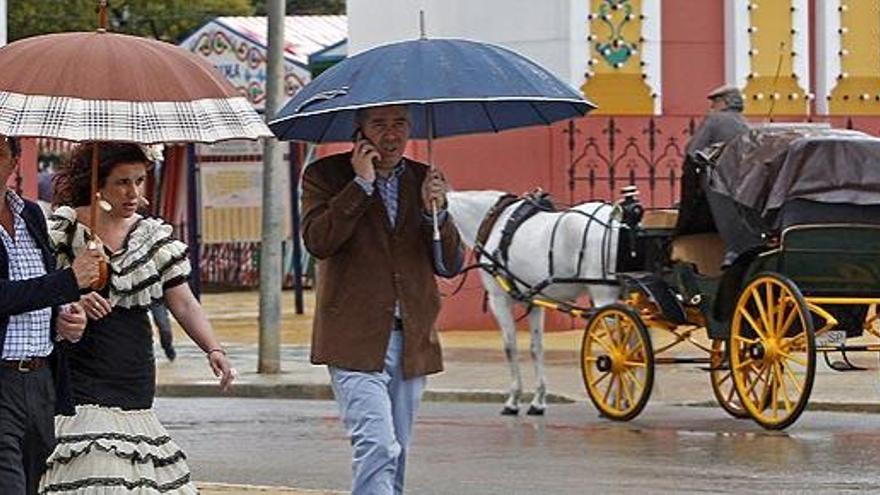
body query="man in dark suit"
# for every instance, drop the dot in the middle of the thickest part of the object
(32, 321)
(368, 222)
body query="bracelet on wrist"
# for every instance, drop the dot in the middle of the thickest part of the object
(215, 349)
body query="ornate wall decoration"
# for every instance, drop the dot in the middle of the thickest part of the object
(850, 26)
(244, 63)
(623, 75)
(768, 55)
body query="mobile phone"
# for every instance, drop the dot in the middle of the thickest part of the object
(358, 136)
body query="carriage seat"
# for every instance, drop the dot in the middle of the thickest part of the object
(660, 219)
(705, 251)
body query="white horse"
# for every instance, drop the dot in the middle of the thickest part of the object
(529, 260)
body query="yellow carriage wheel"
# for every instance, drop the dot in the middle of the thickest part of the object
(722, 381)
(617, 362)
(772, 350)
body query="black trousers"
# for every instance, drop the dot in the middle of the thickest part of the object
(27, 428)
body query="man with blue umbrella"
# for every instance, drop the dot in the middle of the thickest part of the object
(367, 219)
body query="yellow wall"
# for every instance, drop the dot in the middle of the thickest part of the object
(615, 82)
(859, 92)
(772, 87)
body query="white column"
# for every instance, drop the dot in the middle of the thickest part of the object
(652, 29)
(736, 51)
(3, 15)
(827, 48)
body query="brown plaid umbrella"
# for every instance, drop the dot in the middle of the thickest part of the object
(99, 86)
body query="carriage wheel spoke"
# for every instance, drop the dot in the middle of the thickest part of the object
(762, 401)
(788, 321)
(624, 384)
(771, 310)
(780, 377)
(794, 380)
(789, 342)
(752, 323)
(756, 297)
(748, 362)
(792, 358)
(636, 380)
(608, 347)
(758, 378)
(597, 381)
(745, 339)
(774, 390)
(608, 390)
(731, 395)
(780, 312)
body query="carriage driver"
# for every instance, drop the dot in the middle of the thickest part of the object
(367, 220)
(724, 120)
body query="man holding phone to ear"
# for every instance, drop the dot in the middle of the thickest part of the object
(367, 219)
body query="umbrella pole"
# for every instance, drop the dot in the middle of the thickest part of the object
(103, 271)
(439, 264)
(93, 207)
(429, 122)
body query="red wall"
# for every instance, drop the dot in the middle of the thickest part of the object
(692, 54)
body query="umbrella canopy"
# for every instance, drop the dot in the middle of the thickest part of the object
(100, 86)
(459, 86)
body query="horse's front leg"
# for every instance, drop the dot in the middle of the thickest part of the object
(536, 327)
(502, 307)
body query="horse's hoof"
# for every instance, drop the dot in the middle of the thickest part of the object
(535, 411)
(510, 411)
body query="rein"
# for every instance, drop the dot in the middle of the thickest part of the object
(511, 282)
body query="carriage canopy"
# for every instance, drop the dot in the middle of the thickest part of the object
(768, 166)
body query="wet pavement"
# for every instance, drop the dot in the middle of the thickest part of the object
(470, 449)
(701, 448)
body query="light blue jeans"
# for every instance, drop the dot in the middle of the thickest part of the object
(378, 410)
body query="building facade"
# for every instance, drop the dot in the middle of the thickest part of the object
(648, 65)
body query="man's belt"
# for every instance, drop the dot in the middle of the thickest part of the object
(25, 365)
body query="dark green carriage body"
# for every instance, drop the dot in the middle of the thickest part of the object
(830, 260)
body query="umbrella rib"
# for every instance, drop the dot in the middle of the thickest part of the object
(540, 114)
(327, 127)
(489, 116)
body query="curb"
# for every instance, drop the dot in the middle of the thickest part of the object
(324, 392)
(819, 406)
(232, 489)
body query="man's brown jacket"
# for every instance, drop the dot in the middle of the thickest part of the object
(365, 265)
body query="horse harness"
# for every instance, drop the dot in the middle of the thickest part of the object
(532, 203)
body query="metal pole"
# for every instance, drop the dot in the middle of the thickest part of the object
(194, 236)
(294, 159)
(273, 176)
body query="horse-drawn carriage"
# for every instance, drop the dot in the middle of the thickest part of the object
(775, 253)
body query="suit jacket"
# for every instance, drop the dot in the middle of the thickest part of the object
(53, 289)
(365, 265)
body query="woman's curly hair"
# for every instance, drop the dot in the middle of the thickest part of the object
(72, 182)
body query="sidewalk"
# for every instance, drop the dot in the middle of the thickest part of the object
(475, 366)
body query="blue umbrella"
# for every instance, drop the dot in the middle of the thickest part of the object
(452, 87)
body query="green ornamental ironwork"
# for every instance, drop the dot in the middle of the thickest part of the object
(616, 50)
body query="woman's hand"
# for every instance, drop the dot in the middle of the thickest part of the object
(221, 368)
(95, 305)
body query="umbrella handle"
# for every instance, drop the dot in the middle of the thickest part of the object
(103, 270)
